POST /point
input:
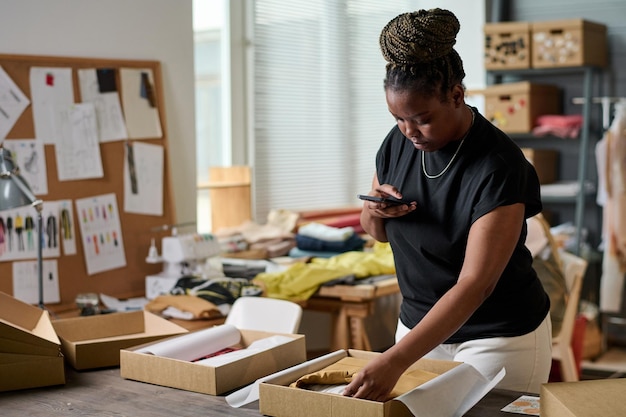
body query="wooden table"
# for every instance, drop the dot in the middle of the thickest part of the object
(349, 306)
(105, 393)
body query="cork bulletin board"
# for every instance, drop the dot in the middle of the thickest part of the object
(137, 229)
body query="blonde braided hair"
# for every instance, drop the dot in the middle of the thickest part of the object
(419, 50)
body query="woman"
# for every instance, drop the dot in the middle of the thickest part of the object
(469, 291)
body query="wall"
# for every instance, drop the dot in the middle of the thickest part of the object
(159, 30)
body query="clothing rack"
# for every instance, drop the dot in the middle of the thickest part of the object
(606, 103)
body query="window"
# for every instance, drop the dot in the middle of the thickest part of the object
(313, 111)
(210, 146)
(319, 107)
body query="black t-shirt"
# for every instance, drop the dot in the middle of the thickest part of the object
(429, 243)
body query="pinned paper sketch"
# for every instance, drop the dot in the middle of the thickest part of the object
(26, 281)
(143, 178)
(19, 226)
(78, 149)
(52, 93)
(101, 233)
(13, 102)
(139, 98)
(29, 156)
(67, 227)
(98, 86)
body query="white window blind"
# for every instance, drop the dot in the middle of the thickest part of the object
(319, 106)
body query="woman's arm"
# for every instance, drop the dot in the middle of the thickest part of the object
(491, 242)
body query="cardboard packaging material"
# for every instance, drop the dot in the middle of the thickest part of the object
(515, 107)
(95, 341)
(507, 45)
(30, 351)
(569, 43)
(156, 364)
(457, 389)
(601, 397)
(545, 163)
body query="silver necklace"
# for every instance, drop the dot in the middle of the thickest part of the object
(453, 156)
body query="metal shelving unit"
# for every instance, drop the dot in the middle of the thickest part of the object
(587, 73)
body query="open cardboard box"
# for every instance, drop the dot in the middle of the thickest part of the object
(30, 351)
(601, 397)
(457, 388)
(95, 341)
(138, 365)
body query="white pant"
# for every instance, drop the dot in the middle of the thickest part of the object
(527, 359)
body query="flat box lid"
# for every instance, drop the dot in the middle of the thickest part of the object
(519, 87)
(506, 27)
(568, 24)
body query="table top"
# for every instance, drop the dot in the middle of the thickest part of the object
(105, 393)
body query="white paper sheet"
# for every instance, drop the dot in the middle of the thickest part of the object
(141, 113)
(101, 233)
(13, 102)
(195, 345)
(111, 125)
(21, 232)
(29, 156)
(26, 282)
(77, 148)
(254, 348)
(250, 393)
(143, 178)
(451, 394)
(52, 93)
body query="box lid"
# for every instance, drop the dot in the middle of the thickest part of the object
(25, 324)
(506, 27)
(568, 24)
(519, 87)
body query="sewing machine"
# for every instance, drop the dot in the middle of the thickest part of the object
(183, 255)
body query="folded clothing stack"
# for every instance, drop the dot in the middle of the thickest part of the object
(321, 240)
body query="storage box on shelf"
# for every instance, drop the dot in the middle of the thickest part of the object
(568, 43)
(514, 107)
(507, 45)
(545, 163)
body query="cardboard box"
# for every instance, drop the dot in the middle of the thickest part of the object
(545, 162)
(601, 397)
(515, 107)
(95, 341)
(30, 351)
(507, 45)
(569, 43)
(211, 380)
(457, 392)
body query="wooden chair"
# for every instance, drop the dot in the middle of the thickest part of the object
(574, 268)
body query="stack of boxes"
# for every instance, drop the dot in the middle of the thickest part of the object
(515, 107)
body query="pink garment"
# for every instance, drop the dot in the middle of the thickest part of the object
(565, 126)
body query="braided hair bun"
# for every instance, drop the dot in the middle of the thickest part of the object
(419, 37)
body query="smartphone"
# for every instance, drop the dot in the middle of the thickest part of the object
(387, 200)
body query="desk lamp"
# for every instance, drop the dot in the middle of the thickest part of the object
(15, 192)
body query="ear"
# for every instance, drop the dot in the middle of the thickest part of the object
(458, 95)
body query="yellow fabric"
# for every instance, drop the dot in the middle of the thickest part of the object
(301, 280)
(342, 372)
